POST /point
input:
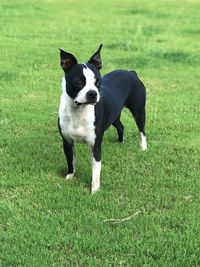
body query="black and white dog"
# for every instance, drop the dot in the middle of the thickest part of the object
(90, 104)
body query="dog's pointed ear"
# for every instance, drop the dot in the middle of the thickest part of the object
(67, 60)
(96, 59)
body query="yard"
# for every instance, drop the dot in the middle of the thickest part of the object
(47, 221)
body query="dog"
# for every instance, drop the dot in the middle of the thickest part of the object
(90, 104)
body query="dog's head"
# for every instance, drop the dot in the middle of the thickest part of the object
(83, 81)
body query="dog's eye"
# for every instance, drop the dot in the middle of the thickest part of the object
(98, 83)
(78, 84)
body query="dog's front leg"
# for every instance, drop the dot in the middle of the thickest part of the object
(70, 157)
(96, 167)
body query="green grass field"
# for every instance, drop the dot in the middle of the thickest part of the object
(47, 221)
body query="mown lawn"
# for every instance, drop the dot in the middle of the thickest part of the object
(46, 221)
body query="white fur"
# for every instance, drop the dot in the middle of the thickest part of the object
(96, 170)
(143, 142)
(90, 85)
(77, 122)
(69, 176)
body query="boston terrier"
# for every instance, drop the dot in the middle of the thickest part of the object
(90, 104)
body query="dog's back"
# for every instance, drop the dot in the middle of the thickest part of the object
(119, 89)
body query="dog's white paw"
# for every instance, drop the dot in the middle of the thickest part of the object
(143, 146)
(69, 176)
(95, 189)
(143, 142)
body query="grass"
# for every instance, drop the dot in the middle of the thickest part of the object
(46, 221)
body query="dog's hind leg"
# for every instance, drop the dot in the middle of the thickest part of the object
(140, 121)
(70, 157)
(120, 129)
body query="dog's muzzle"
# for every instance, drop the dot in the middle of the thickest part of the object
(91, 96)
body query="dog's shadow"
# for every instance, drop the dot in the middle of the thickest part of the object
(62, 172)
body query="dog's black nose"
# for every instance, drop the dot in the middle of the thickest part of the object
(91, 95)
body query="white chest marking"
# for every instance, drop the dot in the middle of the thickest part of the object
(76, 122)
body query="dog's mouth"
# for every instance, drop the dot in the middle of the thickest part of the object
(85, 103)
